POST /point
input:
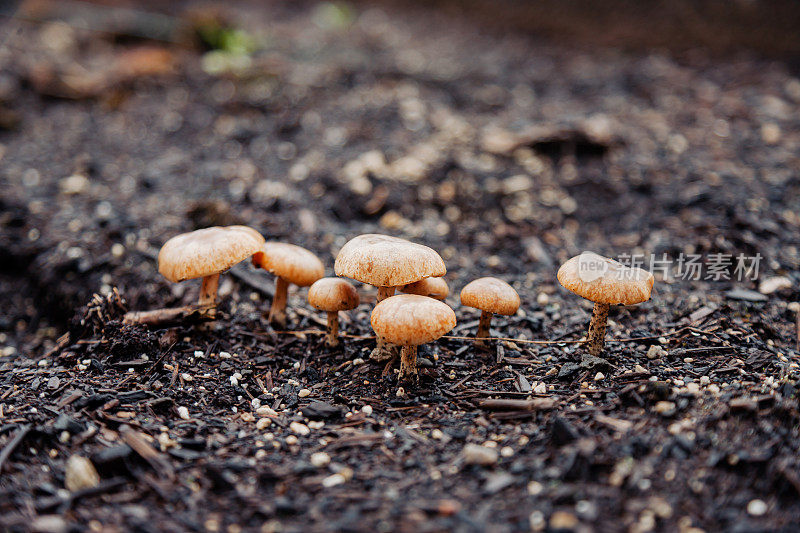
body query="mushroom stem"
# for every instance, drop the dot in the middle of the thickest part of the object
(408, 364)
(385, 292)
(483, 328)
(277, 311)
(208, 291)
(596, 339)
(383, 351)
(333, 329)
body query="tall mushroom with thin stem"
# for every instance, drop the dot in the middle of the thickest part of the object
(290, 264)
(333, 295)
(492, 296)
(431, 287)
(605, 282)
(409, 320)
(386, 263)
(204, 253)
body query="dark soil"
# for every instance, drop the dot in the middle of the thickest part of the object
(507, 155)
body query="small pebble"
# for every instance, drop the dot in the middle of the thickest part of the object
(291, 440)
(757, 508)
(266, 411)
(183, 412)
(304, 393)
(81, 474)
(300, 429)
(333, 480)
(562, 520)
(367, 410)
(540, 388)
(535, 488)
(656, 352)
(263, 423)
(320, 459)
(599, 376)
(664, 408)
(475, 454)
(704, 380)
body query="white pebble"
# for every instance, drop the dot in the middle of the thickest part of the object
(333, 480)
(540, 388)
(266, 411)
(304, 393)
(81, 474)
(367, 410)
(300, 429)
(599, 376)
(291, 440)
(757, 508)
(320, 459)
(263, 423)
(224, 355)
(183, 412)
(475, 454)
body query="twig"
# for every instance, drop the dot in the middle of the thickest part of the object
(170, 315)
(139, 444)
(304, 332)
(13, 443)
(535, 404)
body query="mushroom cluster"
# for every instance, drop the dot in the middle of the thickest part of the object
(401, 322)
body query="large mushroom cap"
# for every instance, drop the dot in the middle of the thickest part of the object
(410, 319)
(384, 261)
(208, 251)
(491, 295)
(333, 294)
(432, 287)
(605, 281)
(293, 263)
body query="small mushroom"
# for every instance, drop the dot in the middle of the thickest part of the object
(386, 263)
(409, 320)
(205, 253)
(605, 282)
(431, 287)
(491, 296)
(290, 264)
(333, 295)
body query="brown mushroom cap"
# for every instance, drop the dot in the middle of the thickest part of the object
(410, 319)
(605, 281)
(384, 261)
(431, 287)
(293, 263)
(333, 294)
(491, 295)
(208, 251)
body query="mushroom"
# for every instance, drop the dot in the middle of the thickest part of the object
(333, 295)
(605, 282)
(386, 263)
(431, 287)
(410, 320)
(491, 296)
(290, 264)
(205, 253)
